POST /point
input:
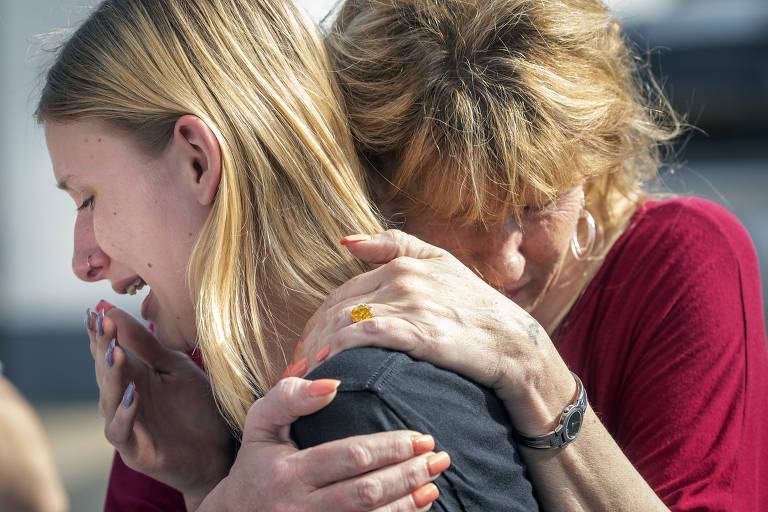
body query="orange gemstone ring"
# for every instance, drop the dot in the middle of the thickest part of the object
(361, 312)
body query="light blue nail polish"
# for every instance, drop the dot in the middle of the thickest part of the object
(111, 353)
(128, 395)
(88, 319)
(100, 323)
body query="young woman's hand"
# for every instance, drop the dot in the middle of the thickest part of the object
(382, 472)
(158, 407)
(427, 304)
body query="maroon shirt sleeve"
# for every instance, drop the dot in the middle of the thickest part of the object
(670, 341)
(131, 491)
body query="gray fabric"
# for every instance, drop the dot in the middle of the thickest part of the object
(385, 390)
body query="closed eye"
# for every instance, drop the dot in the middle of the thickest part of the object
(87, 203)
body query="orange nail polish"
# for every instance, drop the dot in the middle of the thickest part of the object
(300, 368)
(103, 304)
(352, 239)
(438, 463)
(423, 444)
(324, 352)
(425, 495)
(296, 349)
(322, 387)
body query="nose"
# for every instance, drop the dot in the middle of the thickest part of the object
(89, 262)
(501, 262)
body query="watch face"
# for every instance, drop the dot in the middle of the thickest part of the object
(573, 425)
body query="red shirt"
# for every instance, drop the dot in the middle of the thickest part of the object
(669, 340)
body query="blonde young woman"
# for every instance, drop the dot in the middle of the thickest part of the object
(203, 144)
(515, 134)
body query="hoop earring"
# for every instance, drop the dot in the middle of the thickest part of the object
(581, 251)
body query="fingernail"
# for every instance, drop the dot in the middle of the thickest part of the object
(151, 327)
(300, 368)
(111, 353)
(128, 395)
(103, 304)
(296, 348)
(423, 444)
(438, 463)
(322, 387)
(425, 495)
(353, 239)
(324, 352)
(100, 323)
(88, 319)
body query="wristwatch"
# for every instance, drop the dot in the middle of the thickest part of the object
(568, 427)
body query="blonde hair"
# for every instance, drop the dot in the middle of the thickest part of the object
(474, 109)
(257, 74)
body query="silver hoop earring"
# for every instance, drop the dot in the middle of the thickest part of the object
(581, 251)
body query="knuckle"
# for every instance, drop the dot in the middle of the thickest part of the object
(402, 265)
(369, 491)
(373, 325)
(360, 456)
(415, 474)
(402, 286)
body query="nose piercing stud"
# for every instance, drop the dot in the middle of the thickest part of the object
(88, 261)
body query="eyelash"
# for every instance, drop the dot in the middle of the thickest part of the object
(87, 203)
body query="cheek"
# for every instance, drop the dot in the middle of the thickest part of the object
(549, 240)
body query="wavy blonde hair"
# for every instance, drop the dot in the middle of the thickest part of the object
(257, 74)
(474, 109)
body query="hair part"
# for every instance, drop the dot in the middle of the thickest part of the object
(472, 110)
(257, 74)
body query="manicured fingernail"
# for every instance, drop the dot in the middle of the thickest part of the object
(423, 444)
(103, 304)
(353, 239)
(296, 348)
(322, 387)
(88, 319)
(100, 323)
(128, 395)
(438, 463)
(425, 495)
(151, 327)
(111, 353)
(324, 352)
(300, 368)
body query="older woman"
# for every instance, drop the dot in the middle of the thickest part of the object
(515, 135)
(205, 148)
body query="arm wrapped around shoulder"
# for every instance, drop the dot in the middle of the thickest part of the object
(383, 390)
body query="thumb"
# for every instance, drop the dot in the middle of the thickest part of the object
(385, 247)
(270, 417)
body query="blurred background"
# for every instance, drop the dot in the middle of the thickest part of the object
(711, 56)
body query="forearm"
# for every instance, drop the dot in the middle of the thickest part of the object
(591, 473)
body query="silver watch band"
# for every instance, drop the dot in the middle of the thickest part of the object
(568, 427)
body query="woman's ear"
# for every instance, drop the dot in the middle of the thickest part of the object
(200, 156)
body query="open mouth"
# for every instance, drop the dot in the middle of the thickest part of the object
(135, 286)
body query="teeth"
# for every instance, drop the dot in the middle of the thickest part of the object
(135, 286)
